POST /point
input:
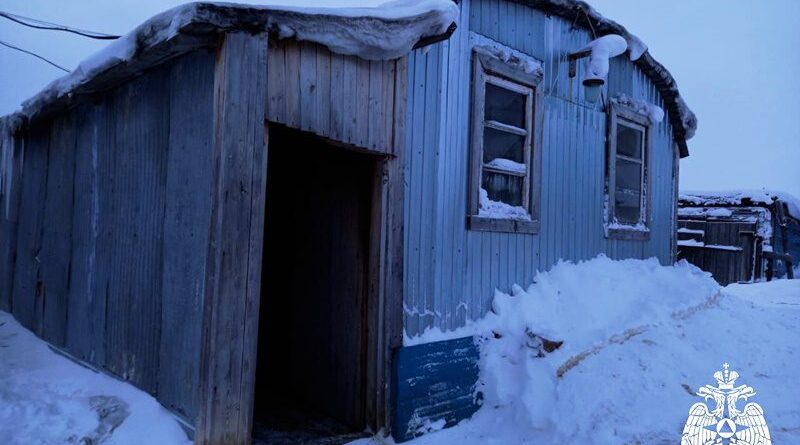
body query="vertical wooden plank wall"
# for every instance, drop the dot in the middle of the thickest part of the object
(11, 150)
(107, 267)
(26, 295)
(342, 98)
(451, 273)
(233, 272)
(186, 219)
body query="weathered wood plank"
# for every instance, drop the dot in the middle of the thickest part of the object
(104, 152)
(26, 297)
(12, 150)
(387, 102)
(133, 326)
(324, 101)
(393, 246)
(85, 326)
(343, 98)
(338, 115)
(350, 102)
(292, 83)
(308, 87)
(374, 105)
(233, 272)
(361, 110)
(276, 82)
(57, 229)
(186, 224)
(8, 248)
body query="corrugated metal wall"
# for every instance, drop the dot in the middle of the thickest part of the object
(111, 229)
(450, 272)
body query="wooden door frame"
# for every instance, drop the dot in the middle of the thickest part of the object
(229, 340)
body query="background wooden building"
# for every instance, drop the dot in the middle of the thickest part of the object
(740, 236)
(236, 223)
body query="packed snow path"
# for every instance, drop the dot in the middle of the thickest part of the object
(48, 399)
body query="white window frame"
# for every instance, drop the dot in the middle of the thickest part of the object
(489, 68)
(619, 114)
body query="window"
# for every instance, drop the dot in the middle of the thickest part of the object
(626, 173)
(504, 173)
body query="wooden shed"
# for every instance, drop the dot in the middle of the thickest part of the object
(740, 236)
(251, 213)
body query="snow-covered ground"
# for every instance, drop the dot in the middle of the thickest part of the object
(48, 399)
(639, 341)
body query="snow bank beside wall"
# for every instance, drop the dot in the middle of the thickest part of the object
(639, 339)
(588, 306)
(48, 399)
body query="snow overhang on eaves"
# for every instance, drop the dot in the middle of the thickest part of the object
(379, 33)
(683, 120)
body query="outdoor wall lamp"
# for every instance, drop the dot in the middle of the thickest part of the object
(599, 51)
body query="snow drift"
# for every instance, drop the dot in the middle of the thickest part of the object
(48, 399)
(588, 306)
(638, 340)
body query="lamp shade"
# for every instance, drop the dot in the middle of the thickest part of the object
(593, 89)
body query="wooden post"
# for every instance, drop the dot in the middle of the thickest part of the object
(233, 276)
(783, 224)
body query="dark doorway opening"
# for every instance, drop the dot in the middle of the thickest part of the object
(313, 331)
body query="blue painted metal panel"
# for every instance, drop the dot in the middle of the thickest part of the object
(451, 273)
(434, 381)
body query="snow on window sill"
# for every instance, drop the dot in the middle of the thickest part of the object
(485, 224)
(616, 230)
(496, 216)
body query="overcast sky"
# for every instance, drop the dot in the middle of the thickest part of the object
(737, 63)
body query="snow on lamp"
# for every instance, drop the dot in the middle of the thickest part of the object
(599, 51)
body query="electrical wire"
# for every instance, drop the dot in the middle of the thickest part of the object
(34, 55)
(41, 24)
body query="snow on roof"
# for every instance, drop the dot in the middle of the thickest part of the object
(739, 197)
(387, 31)
(684, 121)
(383, 32)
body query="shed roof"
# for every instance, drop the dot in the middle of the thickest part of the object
(731, 198)
(374, 33)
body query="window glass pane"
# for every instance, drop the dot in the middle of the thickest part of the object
(628, 193)
(503, 188)
(499, 144)
(504, 106)
(629, 175)
(629, 141)
(626, 208)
